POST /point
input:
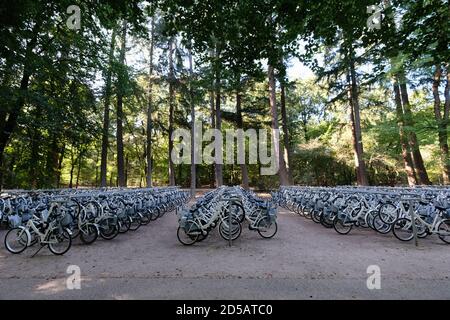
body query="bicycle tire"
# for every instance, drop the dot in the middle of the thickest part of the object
(135, 223)
(65, 235)
(124, 225)
(340, 227)
(24, 242)
(91, 235)
(112, 227)
(403, 224)
(265, 221)
(444, 224)
(380, 226)
(193, 238)
(388, 218)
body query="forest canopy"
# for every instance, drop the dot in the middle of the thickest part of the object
(359, 89)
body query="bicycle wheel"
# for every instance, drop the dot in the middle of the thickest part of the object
(388, 213)
(326, 220)
(266, 228)
(306, 213)
(135, 222)
(186, 239)
(380, 226)
(444, 230)
(403, 230)
(161, 211)
(109, 228)
(237, 211)
(145, 218)
(75, 231)
(16, 240)
(341, 227)
(224, 229)
(370, 216)
(60, 242)
(124, 224)
(155, 214)
(315, 216)
(89, 234)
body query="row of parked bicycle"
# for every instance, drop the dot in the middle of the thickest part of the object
(54, 218)
(402, 211)
(227, 208)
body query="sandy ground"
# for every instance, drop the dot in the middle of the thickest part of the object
(303, 261)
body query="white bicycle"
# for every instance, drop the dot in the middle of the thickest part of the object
(38, 230)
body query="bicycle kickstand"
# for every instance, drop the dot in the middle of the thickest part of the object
(42, 246)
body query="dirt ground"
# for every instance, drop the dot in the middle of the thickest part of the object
(303, 261)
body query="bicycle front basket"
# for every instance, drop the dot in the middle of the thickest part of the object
(446, 214)
(14, 221)
(66, 220)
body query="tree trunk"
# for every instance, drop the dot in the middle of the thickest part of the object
(97, 171)
(171, 111)
(120, 155)
(149, 110)
(72, 167)
(361, 172)
(282, 172)
(442, 122)
(34, 160)
(240, 125)
(419, 166)
(284, 121)
(213, 126)
(193, 133)
(60, 162)
(305, 126)
(80, 161)
(218, 166)
(446, 113)
(127, 162)
(105, 131)
(406, 152)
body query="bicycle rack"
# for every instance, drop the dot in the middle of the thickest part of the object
(230, 235)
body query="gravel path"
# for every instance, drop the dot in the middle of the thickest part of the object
(303, 261)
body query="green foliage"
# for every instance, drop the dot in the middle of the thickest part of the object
(51, 79)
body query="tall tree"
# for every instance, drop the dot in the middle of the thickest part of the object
(419, 165)
(406, 150)
(441, 113)
(285, 127)
(361, 172)
(277, 151)
(218, 112)
(106, 120)
(120, 95)
(193, 132)
(240, 125)
(150, 107)
(10, 113)
(171, 109)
